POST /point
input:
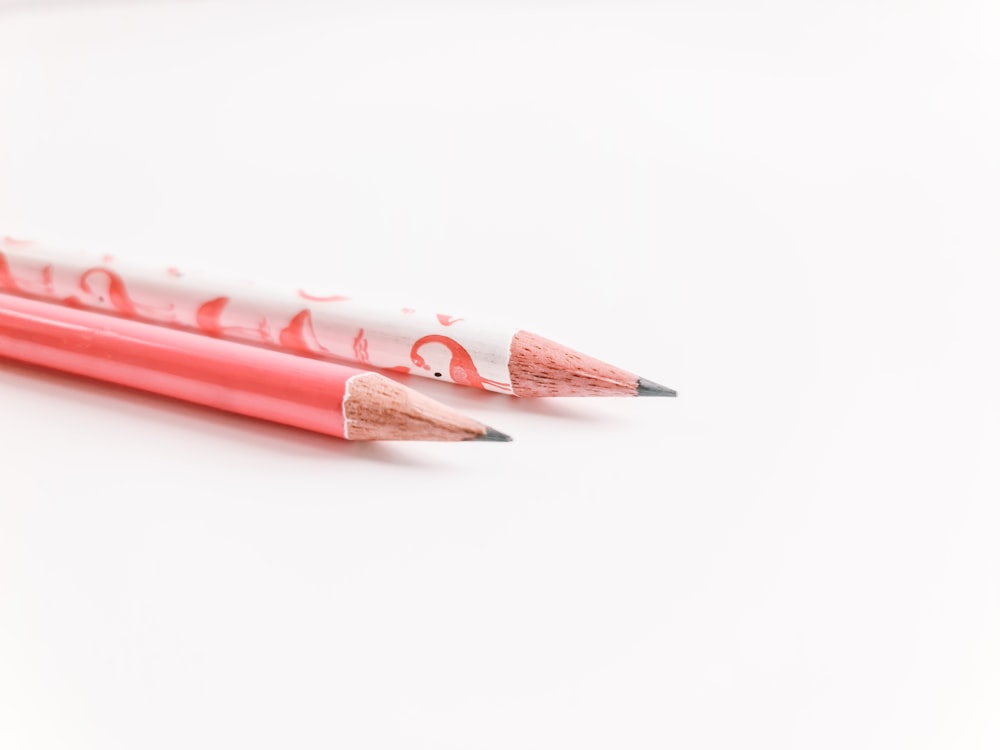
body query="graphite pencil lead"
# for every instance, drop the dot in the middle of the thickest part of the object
(492, 435)
(645, 387)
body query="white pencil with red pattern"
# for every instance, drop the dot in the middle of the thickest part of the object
(494, 358)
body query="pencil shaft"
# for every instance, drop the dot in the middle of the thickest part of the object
(304, 321)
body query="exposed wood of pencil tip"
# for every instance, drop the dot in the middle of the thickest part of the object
(540, 367)
(377, 408)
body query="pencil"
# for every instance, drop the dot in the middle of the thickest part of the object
(502, 359)
(307, 393)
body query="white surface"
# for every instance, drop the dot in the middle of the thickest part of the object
(787, 211)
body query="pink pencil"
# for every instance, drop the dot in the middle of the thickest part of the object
(311, 394)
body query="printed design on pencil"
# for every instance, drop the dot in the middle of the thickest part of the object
(461, 368)
(448, 320)
(208, 317)
(332, 298)
(361, 347)
(48, 281)
(300, 335)
(107, 287)
(7, 281)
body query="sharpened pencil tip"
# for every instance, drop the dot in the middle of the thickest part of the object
(645, 387)
(493, 436)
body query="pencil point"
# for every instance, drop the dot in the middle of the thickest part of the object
(493, 435)
(645, 387)
(377, 408)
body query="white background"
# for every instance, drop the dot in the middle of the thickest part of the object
(785, 210)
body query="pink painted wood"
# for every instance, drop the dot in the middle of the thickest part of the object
(248, 380)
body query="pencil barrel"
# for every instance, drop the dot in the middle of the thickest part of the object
(307, 322)
(245, 380)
